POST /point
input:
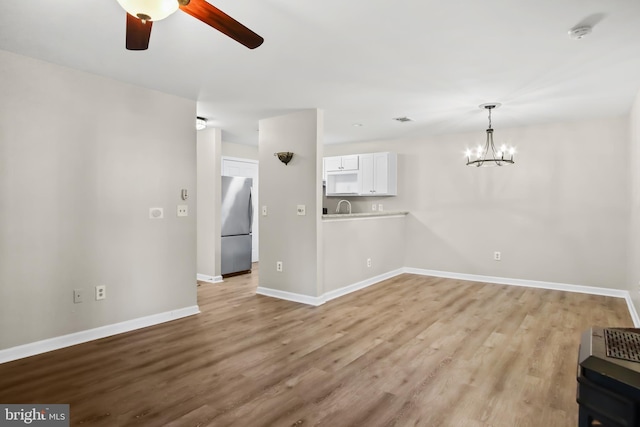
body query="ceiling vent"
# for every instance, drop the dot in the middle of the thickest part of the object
(403, 119)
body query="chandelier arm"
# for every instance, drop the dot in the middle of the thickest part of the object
(493, 148)
(488, 145)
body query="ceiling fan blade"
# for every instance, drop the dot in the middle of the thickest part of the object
(138, 33)
(222, 22)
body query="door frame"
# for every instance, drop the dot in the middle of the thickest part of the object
(255, 200)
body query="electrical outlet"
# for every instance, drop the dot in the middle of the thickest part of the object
(368, 262)
(264, 210)
(77, 296)
(279, 266)
(302, 210)
(380, 207)
(374, 207)
(183, 210)
(101, 292)
(497, 256)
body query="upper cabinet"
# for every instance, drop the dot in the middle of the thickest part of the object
(341, 163)
(373, 174)
(379, 174)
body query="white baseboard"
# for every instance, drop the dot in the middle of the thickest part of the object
(56, 343)
(520, 282)
(290, 296)
(632, 311)
(208, 279)
(593, 290)
(328, 296)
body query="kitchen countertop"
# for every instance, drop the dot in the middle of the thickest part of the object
(364, 215)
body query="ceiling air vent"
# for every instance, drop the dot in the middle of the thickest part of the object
(403, 119)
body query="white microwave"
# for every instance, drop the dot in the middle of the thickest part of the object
(341, 183)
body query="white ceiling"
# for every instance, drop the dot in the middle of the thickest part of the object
(362, 61)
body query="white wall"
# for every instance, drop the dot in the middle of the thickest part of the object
(634, 229)
(285, 236)
(348, 244)
(82, 159)
(209, 199)
(241, 151)
(560, 214)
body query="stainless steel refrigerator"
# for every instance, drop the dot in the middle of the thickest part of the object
(237, 216)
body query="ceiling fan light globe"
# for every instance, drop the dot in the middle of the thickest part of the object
(201, 123)
(154, 9)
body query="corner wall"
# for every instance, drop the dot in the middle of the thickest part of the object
(348, 244)
(209, 200)
(82, 159)
(284, 235)
(634, 228)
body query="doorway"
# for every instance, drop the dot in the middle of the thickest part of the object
(232, 166)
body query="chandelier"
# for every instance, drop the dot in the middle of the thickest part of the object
(488, 155)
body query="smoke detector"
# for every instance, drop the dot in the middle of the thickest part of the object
(580, 32)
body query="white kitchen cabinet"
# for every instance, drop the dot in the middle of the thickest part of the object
(342, 175)
(373, 174)
(341, 163)
(378, 174)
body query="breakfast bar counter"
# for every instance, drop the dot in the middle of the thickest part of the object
(362, 215)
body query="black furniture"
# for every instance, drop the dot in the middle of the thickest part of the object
(609, 378)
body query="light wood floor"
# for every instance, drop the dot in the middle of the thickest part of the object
(411, 351)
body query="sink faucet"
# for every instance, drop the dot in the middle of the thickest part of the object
(340, 203)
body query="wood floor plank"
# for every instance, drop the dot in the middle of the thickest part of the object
(410, 351)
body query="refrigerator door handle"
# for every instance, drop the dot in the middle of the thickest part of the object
(250, 210)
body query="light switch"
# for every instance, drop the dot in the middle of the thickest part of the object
(302, 210)
(264, 210)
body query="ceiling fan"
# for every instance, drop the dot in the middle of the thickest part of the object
(142, 13)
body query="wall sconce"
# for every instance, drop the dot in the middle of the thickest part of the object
(284, 156)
